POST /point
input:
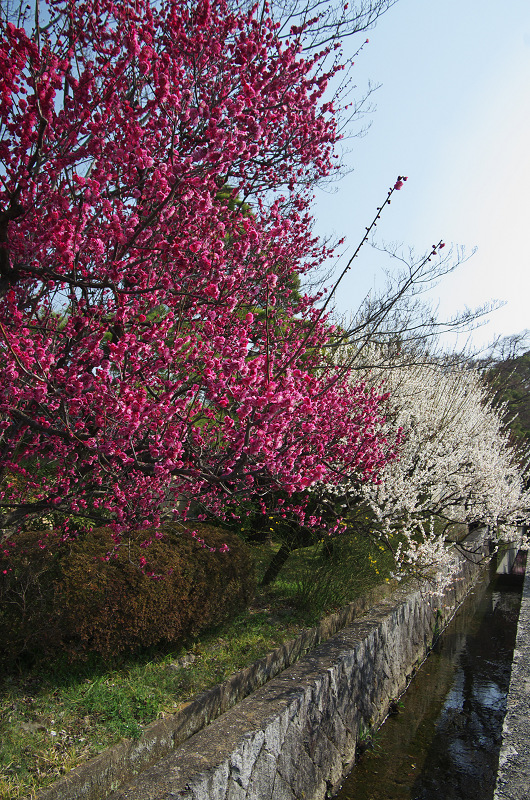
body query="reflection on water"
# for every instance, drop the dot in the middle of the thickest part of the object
(444, 743)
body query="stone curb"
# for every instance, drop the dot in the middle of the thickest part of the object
(98, 777)
(296, 736)
(513, 776)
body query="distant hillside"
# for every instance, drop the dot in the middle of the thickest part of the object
(511, 380)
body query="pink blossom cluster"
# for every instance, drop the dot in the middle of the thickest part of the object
(157, 163)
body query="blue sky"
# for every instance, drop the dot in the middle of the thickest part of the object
(453, 114)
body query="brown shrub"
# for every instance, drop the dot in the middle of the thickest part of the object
(142, 595)
(30, 568)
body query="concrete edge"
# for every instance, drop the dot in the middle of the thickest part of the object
(513, 775)
(104, 773)
(297, 735)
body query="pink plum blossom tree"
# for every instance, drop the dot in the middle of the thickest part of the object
(152, 351)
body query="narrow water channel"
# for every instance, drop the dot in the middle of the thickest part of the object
(443, 744)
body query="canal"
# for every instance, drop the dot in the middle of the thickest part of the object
(442, 741)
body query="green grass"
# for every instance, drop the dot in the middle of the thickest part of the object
(54, 716)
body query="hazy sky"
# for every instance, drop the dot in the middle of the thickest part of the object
(453, 114)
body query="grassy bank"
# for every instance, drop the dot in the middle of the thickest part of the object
(55, 715)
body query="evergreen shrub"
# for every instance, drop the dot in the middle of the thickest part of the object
(96, 596)
(30, 569)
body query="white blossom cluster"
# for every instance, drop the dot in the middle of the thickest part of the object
(455, 462)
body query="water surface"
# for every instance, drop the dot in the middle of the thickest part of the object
(443, 744)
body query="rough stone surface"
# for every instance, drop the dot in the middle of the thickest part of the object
(295, 736)
(95, 779)
(513, 777)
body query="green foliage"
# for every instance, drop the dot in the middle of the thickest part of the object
(143, 594)
(511, 380)
(123, 705)
(30, 568)
(227, 195)
(339, 570)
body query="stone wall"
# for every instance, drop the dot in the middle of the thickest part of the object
(513, 777)
(95, 779)
(296, 735)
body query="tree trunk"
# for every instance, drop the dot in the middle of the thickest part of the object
(277, 562)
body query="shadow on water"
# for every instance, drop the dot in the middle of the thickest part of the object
(444, 741)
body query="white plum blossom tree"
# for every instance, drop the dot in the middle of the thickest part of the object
(455, 465)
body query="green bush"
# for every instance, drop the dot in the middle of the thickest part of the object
(30, 568)
(341, 569)
(94, 596)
